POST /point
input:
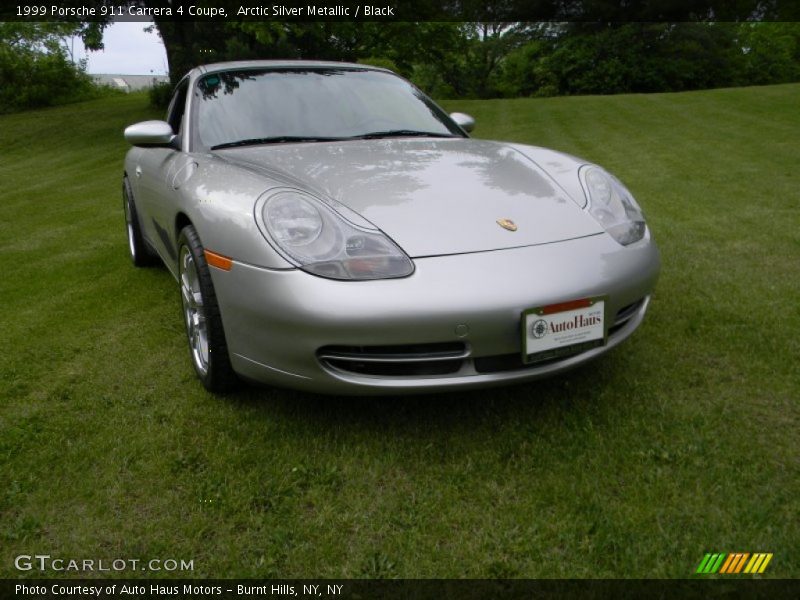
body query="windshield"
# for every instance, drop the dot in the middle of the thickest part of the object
(263, 106)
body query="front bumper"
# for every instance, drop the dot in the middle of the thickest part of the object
(280, 325)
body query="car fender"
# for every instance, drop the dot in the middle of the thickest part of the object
(219, 200)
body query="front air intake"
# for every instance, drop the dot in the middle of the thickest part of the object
(440, 358)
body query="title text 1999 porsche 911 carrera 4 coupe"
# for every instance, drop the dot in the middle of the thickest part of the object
(332, 229)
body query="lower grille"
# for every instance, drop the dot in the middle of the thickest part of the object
(444, 358)
(624, 314)
(504, 362)
(512, 362)
(396, 361)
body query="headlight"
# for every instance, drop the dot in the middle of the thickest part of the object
(321, 241)
(612, 205)
(292, 221)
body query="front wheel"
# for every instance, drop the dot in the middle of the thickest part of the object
(140, 253)
(207, 344)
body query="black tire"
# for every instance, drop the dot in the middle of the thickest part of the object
(206, 336)
(140, 253)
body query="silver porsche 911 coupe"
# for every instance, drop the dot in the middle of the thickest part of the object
(332, 229)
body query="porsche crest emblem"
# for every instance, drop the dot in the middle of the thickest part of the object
(507, 224)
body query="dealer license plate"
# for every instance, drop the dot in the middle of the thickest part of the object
(562, 329)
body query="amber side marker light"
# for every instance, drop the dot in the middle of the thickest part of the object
(219, 261)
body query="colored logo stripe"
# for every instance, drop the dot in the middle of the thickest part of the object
(758, 563)
(710, 563)
(734, 563)
(728, 562)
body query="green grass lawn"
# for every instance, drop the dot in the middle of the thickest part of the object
(685, 440)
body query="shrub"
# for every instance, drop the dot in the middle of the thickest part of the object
(36, 79)
(160, 94)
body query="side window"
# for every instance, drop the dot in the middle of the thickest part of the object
(177, 107)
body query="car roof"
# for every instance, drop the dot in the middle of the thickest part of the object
(282, 64)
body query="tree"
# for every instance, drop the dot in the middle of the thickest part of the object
(644, 57)
(770, 52)
(35, 65)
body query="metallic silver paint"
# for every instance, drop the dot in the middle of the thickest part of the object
(463, 120)
(440, 200)
(149, 133)
(486, 291)
(431, 196)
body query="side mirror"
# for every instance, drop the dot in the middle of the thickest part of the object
(149, 133)
(464, 121)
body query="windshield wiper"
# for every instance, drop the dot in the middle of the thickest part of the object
(283, 139)
(401, 133)
(289, 139)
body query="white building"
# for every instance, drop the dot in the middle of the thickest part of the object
(130, 83)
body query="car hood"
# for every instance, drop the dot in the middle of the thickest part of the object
(432, 196)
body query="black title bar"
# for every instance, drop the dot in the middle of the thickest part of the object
(402, 10)
(344, 589)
